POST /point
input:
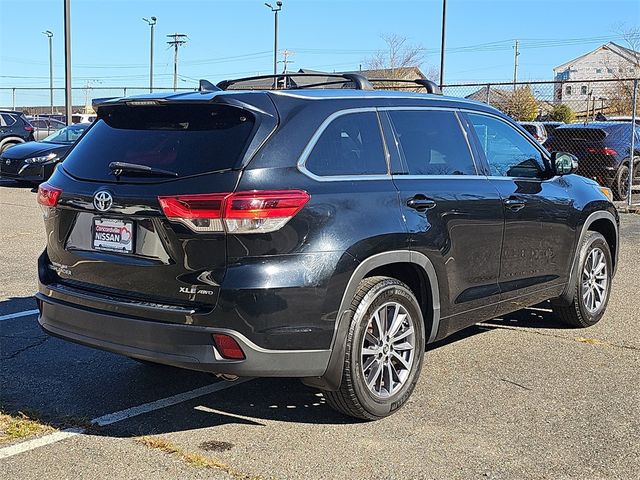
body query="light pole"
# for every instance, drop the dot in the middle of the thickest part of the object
(275, 10)
(152, 24)
(444, 24)
(49, 34)
(68, 101)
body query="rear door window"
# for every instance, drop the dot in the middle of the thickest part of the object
(432, 143)
(350, 145)
(185, 139)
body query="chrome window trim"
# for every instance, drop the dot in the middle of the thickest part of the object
(316, 136)
(301, 165)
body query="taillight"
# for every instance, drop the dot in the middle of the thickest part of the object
(241, 212)
(201, 213)
(602, 151)
(28, 128)
(48, 195)
(228, 347)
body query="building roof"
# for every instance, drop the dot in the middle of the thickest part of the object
(497, 96)
(627, 54)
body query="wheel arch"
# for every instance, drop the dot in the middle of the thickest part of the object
(416, 270)
(10, 139)
(605, 223)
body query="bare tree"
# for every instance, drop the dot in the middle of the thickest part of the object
(396, 59)
(622, 92)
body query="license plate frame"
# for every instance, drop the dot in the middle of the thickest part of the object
(113, 235)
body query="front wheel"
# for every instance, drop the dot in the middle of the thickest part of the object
(593, 284)
(384, 350)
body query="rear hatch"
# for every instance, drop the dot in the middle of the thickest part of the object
(109, 233)
(578, 141)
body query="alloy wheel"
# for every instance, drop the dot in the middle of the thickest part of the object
(388, 349)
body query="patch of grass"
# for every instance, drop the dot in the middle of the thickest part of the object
(19, 426)
(193, 459)
(592, 341)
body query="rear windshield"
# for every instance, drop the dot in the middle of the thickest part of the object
(579, 134)
(186, 139)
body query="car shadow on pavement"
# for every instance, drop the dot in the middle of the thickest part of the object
(537, 316)
(64, 384)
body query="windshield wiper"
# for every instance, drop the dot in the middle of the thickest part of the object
(118, 168)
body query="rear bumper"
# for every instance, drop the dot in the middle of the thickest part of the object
(185, 346)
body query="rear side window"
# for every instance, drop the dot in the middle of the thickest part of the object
(186, 139)
(432, 143)
(350, 145)
(6, 120)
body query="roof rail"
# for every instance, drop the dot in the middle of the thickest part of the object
(286, 81)
(429, 86)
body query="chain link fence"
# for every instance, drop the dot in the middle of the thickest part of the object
(591, 119)
(36, 101)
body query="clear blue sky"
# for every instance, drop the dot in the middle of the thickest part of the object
(110, 41)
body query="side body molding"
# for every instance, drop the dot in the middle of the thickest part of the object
(333, 375)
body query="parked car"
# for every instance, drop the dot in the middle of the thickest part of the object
(83, 117)
(603, 150)
(43, 127)
(34, 162)
(536, 129)
(551, 126)
(321, 234)
(14, 129)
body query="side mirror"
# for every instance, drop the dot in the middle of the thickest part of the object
(564, 163)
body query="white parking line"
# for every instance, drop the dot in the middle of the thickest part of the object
(39, 442)
(162, 403)
(25, 313)
(117, 417)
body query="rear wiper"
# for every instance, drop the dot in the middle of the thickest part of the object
(118, 168)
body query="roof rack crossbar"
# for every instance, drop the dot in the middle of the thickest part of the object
(429, 86)
(359, 81)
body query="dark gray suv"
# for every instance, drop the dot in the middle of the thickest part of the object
(325, 230)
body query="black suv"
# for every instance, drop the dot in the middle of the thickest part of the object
(14, 129)
(603, 150)
(326, 234)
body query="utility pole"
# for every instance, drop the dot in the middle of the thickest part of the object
(49, 34)
(68, 101)
(179, 39)
(152, 24)
(515, 64)
(285, 59)
(275, 10)
(444, 23)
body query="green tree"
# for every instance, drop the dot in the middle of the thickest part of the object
(562, 113)
(523, 105)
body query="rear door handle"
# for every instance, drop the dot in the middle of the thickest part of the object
(514, 204)
(421, 203)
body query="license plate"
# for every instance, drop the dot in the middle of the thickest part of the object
(113, 235)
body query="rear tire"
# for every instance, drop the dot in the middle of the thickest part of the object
(593, 284)
(621, 183)
(384, 350)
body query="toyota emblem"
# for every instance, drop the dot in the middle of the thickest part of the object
(102, 201)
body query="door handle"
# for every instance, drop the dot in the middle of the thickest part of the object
(514, 204)
(421, 203)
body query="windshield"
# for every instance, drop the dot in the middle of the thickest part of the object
(186, 139)
(66, 135)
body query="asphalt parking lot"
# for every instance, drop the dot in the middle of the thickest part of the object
(517, 397)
